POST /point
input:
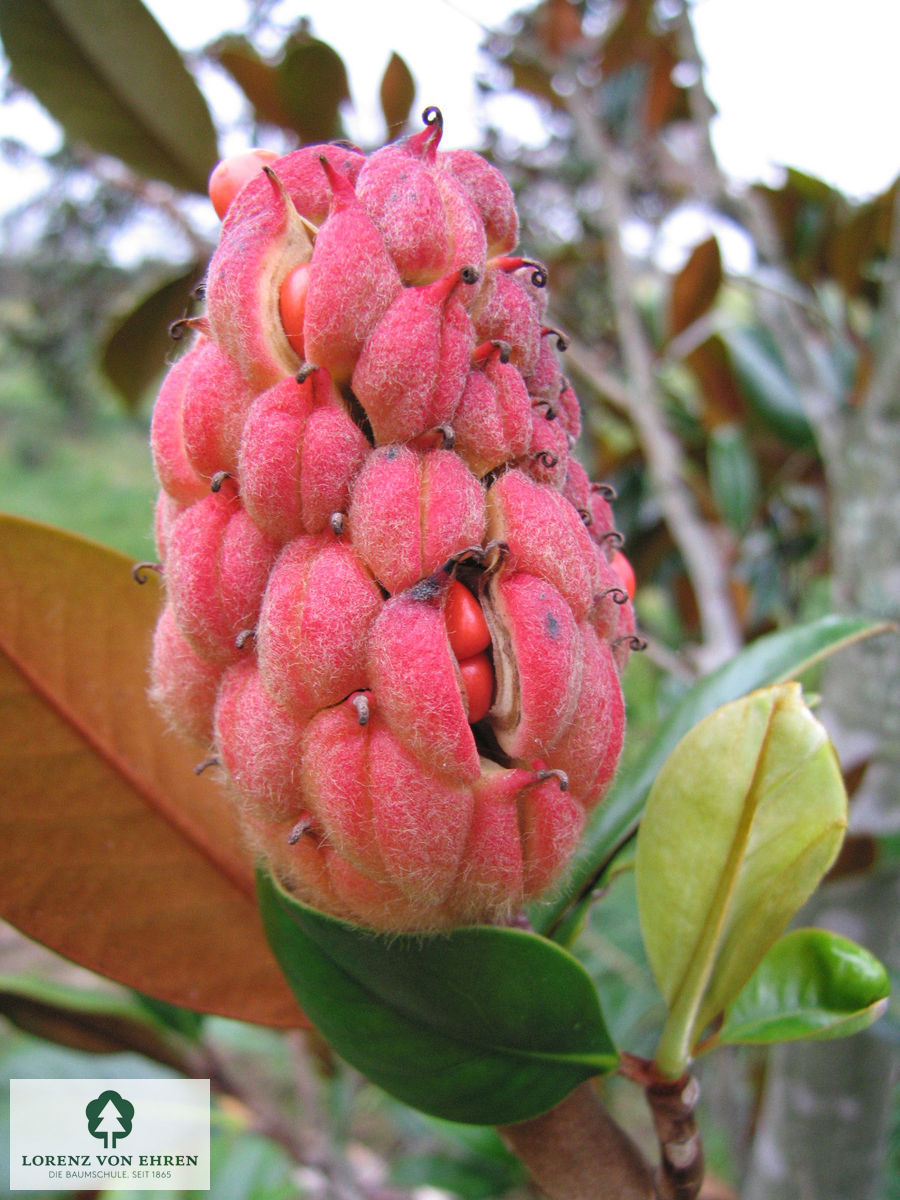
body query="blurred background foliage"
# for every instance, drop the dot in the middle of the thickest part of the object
(742, 402)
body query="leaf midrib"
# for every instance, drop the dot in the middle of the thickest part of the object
(155, 801)
(688, 994)
(467, 1043)
(109, 84)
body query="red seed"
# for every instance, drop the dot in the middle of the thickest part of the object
(232, 173)
(625, 571)
(478, 682)
(466, 626)
(292, 306)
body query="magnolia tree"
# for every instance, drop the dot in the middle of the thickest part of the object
(375, 791)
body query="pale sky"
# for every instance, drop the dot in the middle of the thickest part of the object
(809, 83)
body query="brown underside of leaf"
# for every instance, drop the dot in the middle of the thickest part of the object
(256, 78)
(94, 1032)
(114, 853)
(696, 286)
(397, 92)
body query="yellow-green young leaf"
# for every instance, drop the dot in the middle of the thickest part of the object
(744, 818)
(109, 74)
(112, 851)
(774, 658)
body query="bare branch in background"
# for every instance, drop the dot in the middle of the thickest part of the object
(640, 397)
(883, 399)
(781, 314)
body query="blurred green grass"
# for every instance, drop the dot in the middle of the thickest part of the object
(92, 476)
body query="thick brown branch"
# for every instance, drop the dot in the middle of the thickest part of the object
(578, 1152)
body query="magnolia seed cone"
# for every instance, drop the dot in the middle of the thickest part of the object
(391, 612)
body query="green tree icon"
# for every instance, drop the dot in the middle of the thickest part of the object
(109, 1117)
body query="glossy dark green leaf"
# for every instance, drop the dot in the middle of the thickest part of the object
(96, 1022)
(813, 984)
(744, 819)
(109, 74)
(484, 1025)
(138, 345)
(733, 476)
(770, 659)
(312, 82)
(768, 387)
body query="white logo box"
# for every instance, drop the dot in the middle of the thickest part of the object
(112, 1134)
